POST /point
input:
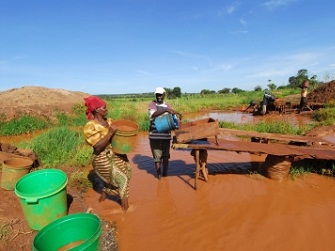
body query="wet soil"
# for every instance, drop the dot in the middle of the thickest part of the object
(236, 209)
(233, 210)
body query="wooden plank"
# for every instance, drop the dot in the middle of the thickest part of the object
(279, 137)
(260, 148)
(197, 130)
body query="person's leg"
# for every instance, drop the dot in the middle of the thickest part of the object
(263, 109)
(166, 144)
(156, 151)
(124, 204)
(102, 196)
(303, 104)
(120, 178)
(165, 166)
(158, 169)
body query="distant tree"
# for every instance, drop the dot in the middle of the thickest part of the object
(272, 86)
(303, 73)
(236, 90)
(302, 76)
(281, 87)
(176, 92)
(206, 91)
(168, 92)
(258, 88)
(292, 81)
(296, 81)
(314, 83)
(224, 91)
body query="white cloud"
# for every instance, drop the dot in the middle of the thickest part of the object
(273, 4)
(230, 9)
(243, 22)
(240, 32)
(145, 73)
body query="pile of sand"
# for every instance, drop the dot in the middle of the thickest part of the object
(323, 94)
(38, 101)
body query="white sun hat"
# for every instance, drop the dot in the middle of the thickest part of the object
(159, 90)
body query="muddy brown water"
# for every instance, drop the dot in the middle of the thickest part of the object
(233, 210)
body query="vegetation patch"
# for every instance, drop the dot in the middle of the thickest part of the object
(59, 146)
(23, 124)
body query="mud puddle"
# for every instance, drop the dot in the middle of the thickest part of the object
(233, 210)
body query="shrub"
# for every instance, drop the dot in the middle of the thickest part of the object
(24, 124)
(61, 145)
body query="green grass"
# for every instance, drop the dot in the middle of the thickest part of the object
(24, 124)
(299, 171)
(281, 127)
(325, 116)
(60, 146)
(329, 171)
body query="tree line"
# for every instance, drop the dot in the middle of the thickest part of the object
(293, 82)
(176, 92)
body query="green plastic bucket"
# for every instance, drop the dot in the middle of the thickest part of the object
(42, 196)
(80, 231)
(12, 170)
(124, 140)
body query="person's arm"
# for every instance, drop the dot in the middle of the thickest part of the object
(105, 141)
(160, 112)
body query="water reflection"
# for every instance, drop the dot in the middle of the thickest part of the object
(330, 138)
(236, 117)
(241, 118)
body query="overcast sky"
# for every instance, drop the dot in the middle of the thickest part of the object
(134, 46)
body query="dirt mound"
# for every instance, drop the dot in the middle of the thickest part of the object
(323, 94)
(38, 101)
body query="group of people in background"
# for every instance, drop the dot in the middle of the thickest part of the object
(261, 109)
(112, 168)
(268, 98)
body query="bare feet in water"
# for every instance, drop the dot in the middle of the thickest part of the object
(102, 197)
(158, 170)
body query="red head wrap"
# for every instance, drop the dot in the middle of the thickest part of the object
(92, 103)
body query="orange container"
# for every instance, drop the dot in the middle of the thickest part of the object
(124, 139)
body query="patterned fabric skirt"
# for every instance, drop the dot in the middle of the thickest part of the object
(114, 169)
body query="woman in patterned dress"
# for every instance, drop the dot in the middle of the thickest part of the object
(114, 169)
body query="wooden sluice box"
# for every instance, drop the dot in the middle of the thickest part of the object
(198, 129)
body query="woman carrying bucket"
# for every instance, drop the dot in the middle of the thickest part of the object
(114, 169)
(160, 140)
